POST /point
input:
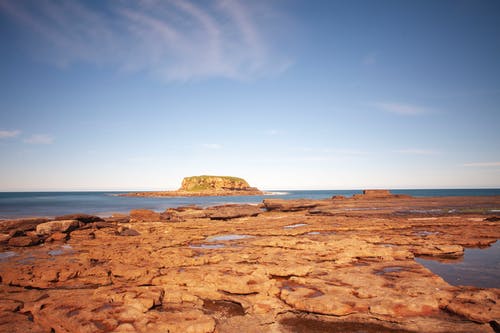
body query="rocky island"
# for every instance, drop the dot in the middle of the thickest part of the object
(333, 265)
(200, 186)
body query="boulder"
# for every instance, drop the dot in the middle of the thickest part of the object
(8, 226)
(57, 237)
(51, 227)
(289, 205)
(118, 218)
(228, 212)
(84, 218)
(23, 241)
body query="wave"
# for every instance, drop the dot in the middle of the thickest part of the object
(276, 193)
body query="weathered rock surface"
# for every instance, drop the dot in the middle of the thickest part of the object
(49, 228)
(144, 215)
(305, 266)
(290, 205)
(232, 211)
(7, 226)
(84, 218)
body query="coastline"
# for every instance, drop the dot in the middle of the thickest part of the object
(343, 262)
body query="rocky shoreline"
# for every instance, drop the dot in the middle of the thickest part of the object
(332, 265)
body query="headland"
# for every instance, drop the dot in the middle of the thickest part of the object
(332, 265)
(200, 186)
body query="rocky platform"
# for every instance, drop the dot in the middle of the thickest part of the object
(333, 265)
(203, 186)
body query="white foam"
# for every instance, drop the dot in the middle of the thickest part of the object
(276, 193)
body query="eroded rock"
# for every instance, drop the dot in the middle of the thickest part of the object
(51, 227)
(352, 268)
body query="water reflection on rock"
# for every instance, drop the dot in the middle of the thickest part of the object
(479, 268)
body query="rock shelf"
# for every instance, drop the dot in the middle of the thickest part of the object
(349, 267)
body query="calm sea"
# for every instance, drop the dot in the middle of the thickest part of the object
(24, 204)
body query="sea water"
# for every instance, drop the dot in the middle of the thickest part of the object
(49, 204)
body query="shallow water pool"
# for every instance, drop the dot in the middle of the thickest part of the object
(479, 268)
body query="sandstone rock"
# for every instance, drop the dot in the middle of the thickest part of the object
(477, 305)
(144, 215)
(379, 194)
(228, 212)
(439, 250)
(84, 218)
(181, 214)
(57, 237)
(289, 205)
(348, 271)
(49, 228)
(129, 232)
(23, 241)
(7, 226)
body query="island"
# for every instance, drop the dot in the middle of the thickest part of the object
(201, 186)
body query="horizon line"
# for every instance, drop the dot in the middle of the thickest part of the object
(263, 190)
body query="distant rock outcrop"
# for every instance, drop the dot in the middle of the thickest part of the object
(205, 186)
(379, 194)
(214, 183)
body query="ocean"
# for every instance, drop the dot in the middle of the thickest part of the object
(49, 204)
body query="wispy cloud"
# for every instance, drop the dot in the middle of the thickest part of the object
(39, 139)
(413, 151)
(9, 134)
(173, 40)
(213, 146)
(402, 109)
(482, 164)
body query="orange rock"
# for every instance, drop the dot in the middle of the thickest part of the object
(144, 215)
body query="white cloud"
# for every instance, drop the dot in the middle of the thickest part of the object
(482, 164)
(413, 151)
(401, 109)
(212, 146)
(9, 134)
(40, 139)
(172, 40)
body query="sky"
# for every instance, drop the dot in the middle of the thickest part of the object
(288, 94)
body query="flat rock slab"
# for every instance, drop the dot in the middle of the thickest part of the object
(238, 268)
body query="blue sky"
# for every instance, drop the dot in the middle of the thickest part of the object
(124, 95)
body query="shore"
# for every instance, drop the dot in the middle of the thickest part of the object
(332, 265)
